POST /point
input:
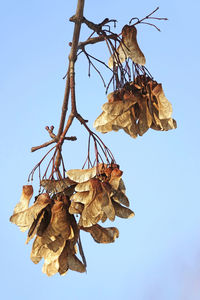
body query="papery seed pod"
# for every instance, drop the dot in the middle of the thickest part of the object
(27, 193)
(128, 47)
(25, 218)
(101, 234)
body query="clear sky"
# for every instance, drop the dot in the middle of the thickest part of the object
(157, 255)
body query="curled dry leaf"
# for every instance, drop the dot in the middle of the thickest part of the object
(128, 47)
(101, 234)
(25, 218)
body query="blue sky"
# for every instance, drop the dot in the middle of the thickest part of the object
(157, 255)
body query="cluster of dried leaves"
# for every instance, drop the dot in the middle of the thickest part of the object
(135, 108)
(95, 194)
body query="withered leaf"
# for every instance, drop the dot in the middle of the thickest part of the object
(101, 234)
(25, 218)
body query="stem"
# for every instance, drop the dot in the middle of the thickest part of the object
(70, 82)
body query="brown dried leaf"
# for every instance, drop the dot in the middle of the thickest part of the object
(101, 234)
(27, 193)
(25, 218)
(128, 47)
(121, 211)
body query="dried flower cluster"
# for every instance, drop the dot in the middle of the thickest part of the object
(96, 194)
(135, 108)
